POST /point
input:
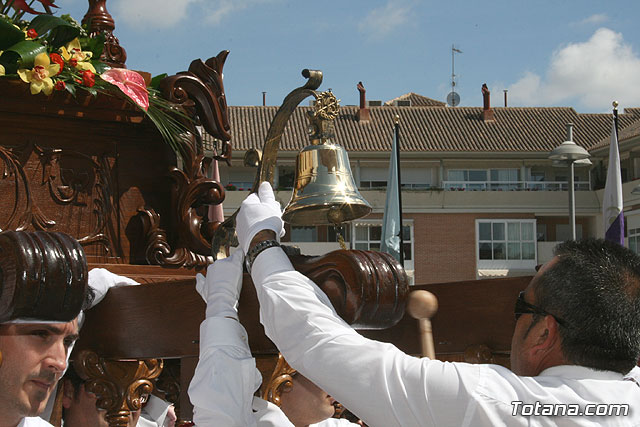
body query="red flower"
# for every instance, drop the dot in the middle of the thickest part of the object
(73, 62)
(78, 81)
(60, 85)
(88, 78)
(57, 59)
(31, 33)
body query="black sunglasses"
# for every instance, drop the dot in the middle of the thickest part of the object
(523, 307)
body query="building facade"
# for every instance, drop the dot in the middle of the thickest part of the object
(480, 196)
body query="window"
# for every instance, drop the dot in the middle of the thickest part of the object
(464, 178)
(286, 176)
(506, 243)
(484, 179)
(239, 178)
(304, 233)
(367, 236)
(333, 232)
(504, 179)
(371, 177)
(413, 178)
(537, 176)
(634, 239)
(373, 184)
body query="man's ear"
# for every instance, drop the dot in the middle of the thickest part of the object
(67, 393)
(547, 333)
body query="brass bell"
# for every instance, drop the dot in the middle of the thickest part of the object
(324, 191)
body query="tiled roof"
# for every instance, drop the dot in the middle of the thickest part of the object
(435, 129)
(417, 100)
(624, 133)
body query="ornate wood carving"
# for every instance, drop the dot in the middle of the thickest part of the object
(199, 92)
(368, 289)
(69, 178)
(42, 276)
(101, 22)
(121, 386)
(281, 380)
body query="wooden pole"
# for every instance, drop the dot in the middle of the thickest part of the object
(423, 305)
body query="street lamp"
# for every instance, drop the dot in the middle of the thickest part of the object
(569, 153)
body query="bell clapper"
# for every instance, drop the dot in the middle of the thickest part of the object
(338, 228)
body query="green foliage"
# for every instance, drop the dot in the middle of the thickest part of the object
(21, 55)
(60, 31)
(54, 32)
(95, 45)
(155, 81)
(9, 35)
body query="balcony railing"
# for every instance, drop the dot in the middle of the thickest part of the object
(514, 185)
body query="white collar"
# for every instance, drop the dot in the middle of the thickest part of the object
(578, 372)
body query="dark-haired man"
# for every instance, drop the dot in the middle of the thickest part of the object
(45, 277)
(34, 357)
(577, 335)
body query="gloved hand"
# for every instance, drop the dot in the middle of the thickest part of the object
(259, 212)
(101, 280)
(221, 288)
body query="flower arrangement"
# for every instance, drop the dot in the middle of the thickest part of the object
(52, 53)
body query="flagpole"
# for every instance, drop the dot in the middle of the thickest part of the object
(615, 118)
(612, 204)
(397, 134)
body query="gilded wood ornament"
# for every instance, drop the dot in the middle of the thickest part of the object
(280, 382)
(121, 386)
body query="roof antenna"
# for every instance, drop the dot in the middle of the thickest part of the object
(453, 98)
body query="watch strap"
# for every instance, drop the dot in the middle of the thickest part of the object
(256, 250)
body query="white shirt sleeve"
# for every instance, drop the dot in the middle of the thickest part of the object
(375, 380)
(225, 379)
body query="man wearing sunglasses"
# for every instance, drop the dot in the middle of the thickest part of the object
(577, 336)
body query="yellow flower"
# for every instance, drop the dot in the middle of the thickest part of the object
(1, 70)
(73, 54)
(39, 75)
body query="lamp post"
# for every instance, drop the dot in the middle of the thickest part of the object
(569, 153)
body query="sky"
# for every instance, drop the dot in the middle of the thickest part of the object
(576, 53)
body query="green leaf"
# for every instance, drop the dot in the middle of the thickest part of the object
(71, 88)
(100, 66)
(9, 35)
(21, 55)
(61, 31)
(95, 45)
(155, 82)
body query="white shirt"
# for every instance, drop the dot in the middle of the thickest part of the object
(387, 388)
(33, 422)
(226, 378)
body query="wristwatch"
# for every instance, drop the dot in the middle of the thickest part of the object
(256, 250)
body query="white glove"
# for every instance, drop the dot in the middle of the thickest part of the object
(101, 280)
(259, 212)
(221, 288)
